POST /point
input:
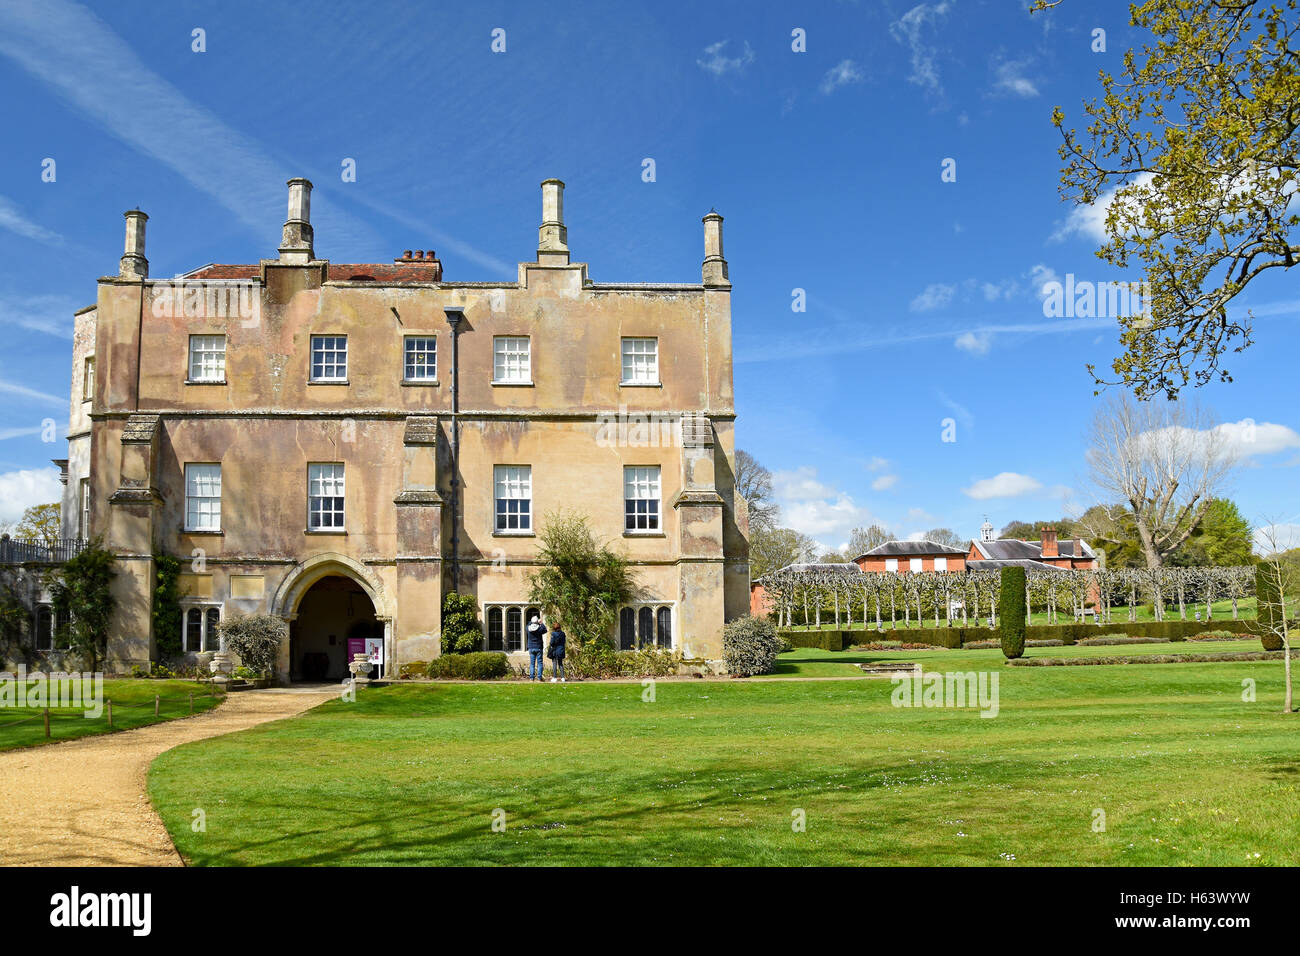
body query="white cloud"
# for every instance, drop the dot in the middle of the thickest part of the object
(814, 508)
(1041, 277)
(1249, 438)
(1006, 484)
(719, 64)
(1089, 222)
(976, 343)
(884, 483)
(51, 314)
(909, 29)
(15, 221)
(1008, 77)
(32, 486)
(842, 74)
(22, 391)
(1277, 537)
(876, 463)
(935, 296)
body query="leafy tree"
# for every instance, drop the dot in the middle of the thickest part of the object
(775, 548)
(461, 633)
(862, 540)
(833, 557)
(581, 582)
(1223, 539)
(754, 484)
(82, 592)
(945, 536)
(1011, 612)
(1195, 143)
(39, 523)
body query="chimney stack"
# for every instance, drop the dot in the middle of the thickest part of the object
(715, 267)
(1050, 549)
(553, 236)
(296, 242)
(133, 264)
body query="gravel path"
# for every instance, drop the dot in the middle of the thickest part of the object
(84, 802)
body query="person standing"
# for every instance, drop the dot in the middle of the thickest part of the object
(533, 644)
(556, 653)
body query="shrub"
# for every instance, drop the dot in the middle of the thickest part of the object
(580, 581)
(413, 669)
(1219, 636)
(476, 665)
(650, 661)
(1109, 639)
(167, 606)
(461, 633)
(82, 590)
(1011, 612)
(750, 646)
(256, 638)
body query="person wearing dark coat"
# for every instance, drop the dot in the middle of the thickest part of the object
(533, 644)
(556, 653)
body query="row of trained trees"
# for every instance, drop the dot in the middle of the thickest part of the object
(823, 594)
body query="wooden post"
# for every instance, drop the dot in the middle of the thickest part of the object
(155, 704)
(47, 723)
(191, 702)
(110, 713)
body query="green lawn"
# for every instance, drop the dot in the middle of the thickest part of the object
(712, 771)
(133, 706)
(1119, 617)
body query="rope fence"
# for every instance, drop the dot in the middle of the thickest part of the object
(156, 704)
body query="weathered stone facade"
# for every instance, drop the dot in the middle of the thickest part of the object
(571, 422)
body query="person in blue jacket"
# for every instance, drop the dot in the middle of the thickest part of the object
(533, 642)
(556, 653)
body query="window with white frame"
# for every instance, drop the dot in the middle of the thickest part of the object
(83, 526)
(88, 379)
(641, 498)
(941, 564)
(202, 497)
(200, 628)
(914, 565)
(506, 624)
(329, 358)
(512, 360)
(648, 625)
(421, 362)
(640, 361)
(207, 358)
(514, 498)
(325, 497)
(891, 564)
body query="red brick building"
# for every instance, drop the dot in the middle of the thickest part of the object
(912, 557)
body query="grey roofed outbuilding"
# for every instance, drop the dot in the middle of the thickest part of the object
(901, 549)
(1026, 563)
(846, 567)
(1011, 549)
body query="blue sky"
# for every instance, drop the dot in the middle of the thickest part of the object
(922, 295)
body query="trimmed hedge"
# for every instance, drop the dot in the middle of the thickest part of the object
(477, 665)
(1011, 612)
(822, 640)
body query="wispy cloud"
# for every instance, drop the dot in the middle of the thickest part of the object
(913, 28)
(935, 296)
(715, 61)
(1006, 484)
(976, 343)
(1009, 77)
(51, 314)
(13, 220)
(842, 74)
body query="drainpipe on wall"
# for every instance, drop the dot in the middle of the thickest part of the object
(454, 318)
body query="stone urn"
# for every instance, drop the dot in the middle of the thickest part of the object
(222, 666)
(360, 668)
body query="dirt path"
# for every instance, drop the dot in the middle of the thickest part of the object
(84, 802)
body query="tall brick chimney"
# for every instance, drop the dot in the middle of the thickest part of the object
(296, 240)
(553, 236)
(1050, 549)
(133, 264)
(715, 266)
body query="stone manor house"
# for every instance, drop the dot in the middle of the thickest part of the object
(340, 444)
